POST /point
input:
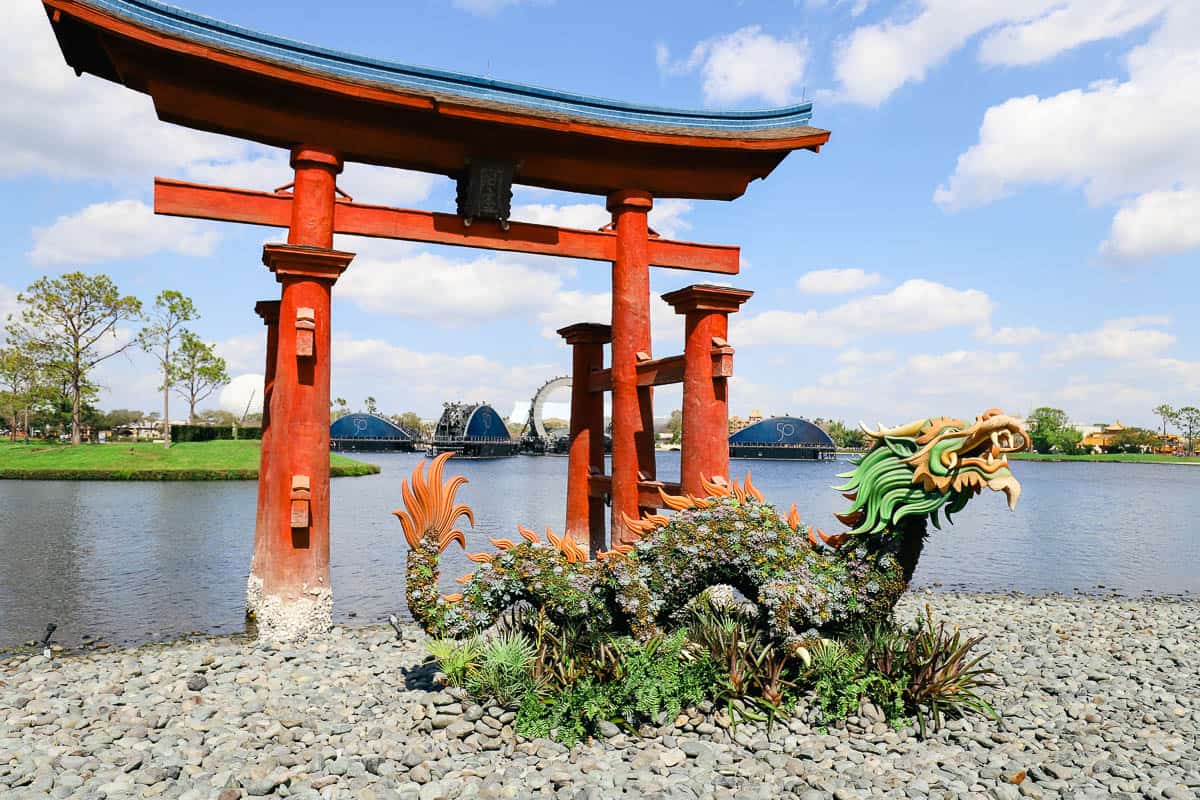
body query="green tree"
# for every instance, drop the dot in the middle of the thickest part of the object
(371, 407)
(410, 420)
(1047, 427)
(340, 409)
(171, 311)
(1132, 440)
(196, 371)
(120, 418)
(675, 426)
(68, 325)
(1188, 420)
(20, 387)
(1167, 414)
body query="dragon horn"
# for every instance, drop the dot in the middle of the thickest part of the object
(480, 558)
(465, 578)
(529, 535)
(714, 489)
(752, 490)
(503, 544)
(676, 502)
(793, 518)
(812, 537)
(452, 536)
(639, 526)
(658, 520)
(701, 502)
(452, 598)
(834, 541)
(615, 550)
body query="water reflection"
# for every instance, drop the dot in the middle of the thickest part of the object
(135, 561)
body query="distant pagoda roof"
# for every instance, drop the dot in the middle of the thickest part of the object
(211, 75)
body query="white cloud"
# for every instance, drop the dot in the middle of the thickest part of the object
(588, 216)
(1016, 337)
(667, 217)
(837, 281)
(1127, 338)
(914, 306)
(876, 60)
(489, 8)
(1154, 224)
(958, 382)
(245, 352)
(55, 123)
(743, 65)
(397, 279)
(121, 229)
(406, 379)
(571, 306)
(1113, 139)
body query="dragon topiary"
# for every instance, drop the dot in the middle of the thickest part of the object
(803, 579)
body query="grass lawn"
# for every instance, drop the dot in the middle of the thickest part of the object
(186, 461)
(1128, 458)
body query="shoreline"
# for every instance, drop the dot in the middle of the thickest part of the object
(220, 460)
(1098, 696)
(1107, 458)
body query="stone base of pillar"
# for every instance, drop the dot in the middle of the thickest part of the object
(291, 619)
(254, 594)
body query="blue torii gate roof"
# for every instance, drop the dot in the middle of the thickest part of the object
(215, 76)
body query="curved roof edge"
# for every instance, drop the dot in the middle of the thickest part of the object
(785, 430)
(181, 24)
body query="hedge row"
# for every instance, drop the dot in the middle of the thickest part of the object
(209, 433)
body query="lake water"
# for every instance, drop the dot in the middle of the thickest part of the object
(132, 562)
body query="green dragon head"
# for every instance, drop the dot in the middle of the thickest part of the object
(917, 469)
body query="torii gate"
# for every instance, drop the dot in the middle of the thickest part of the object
(328, 107)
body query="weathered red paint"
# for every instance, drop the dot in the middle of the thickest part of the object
(268, 310)
(585, 513)
(704, 450)
(295, 557)
(183, 199)
(632, 406)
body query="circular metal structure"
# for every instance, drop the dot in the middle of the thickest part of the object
(535, 422)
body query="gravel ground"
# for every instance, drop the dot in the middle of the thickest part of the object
(1100, 696)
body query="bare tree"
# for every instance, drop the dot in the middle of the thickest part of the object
(171, 311)
(68, 325)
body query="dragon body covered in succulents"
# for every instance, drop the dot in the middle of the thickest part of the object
(801, 578)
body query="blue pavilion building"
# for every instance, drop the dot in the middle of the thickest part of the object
(782, 437)
(369, 432)
(472, 431)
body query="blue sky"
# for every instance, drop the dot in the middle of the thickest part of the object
(1007, 214)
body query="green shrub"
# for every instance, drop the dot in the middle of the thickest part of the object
(458, 659)
(505, 669)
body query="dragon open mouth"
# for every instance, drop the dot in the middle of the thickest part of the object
(954, 456)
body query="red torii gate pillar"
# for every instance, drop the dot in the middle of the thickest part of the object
(585, 512)
(268, 310)
(707, 366)
(293, 559)
(632, 406)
